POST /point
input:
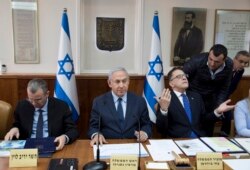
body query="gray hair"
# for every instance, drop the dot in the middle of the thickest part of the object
(111, 72)
(36, 84)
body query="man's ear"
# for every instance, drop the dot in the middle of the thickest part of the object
(109, 82)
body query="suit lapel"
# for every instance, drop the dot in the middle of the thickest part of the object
(129, 109)
(111, 107)
(30, 110)
(50, 115)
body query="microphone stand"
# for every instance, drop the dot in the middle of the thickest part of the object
(139, 159)
(96, 165)
(139, 142)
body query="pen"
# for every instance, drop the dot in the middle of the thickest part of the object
(61, 161)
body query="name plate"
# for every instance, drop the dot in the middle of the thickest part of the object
(23, 157)
(209, 161)
(124, 162)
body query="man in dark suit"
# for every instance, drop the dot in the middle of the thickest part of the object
(56, 118)
(119, 114)
(240, 61)
(174, 119)
(189, 41)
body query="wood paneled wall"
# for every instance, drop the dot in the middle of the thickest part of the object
(13, 88)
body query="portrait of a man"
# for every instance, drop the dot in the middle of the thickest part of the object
(188, 34)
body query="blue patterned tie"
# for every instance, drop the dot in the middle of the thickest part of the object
(188, 111)
(39, 128)
(120, 113)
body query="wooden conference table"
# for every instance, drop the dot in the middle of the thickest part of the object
(79, 149)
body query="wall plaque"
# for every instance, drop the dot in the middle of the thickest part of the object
(25, 31)
(110, 33)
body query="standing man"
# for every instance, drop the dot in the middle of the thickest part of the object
(210, 76)
(189, 41)
(240, 61)
(119, 114)
(43, 116)
(182, 112)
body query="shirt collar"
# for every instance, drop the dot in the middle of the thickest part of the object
(178, 94)
(115, 97)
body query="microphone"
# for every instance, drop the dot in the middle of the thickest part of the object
(139, 141)
(96, 165)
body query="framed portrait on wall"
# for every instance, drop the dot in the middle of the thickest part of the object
(232, 29)
(188, 30)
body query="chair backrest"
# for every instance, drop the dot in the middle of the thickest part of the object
(232, 130)
(5, 117)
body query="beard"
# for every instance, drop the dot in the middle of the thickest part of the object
(187, 25)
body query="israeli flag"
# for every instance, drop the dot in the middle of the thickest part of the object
(65, 85)
(154, 81)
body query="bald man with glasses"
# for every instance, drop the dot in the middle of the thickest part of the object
(181, 113)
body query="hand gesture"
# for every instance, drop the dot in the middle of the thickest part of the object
(164, 100)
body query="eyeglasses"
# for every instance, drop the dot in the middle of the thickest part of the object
(180, 76)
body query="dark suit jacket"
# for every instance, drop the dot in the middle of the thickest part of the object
(59, 119)
(104, 110)
(213, 91)
(187, 46)
(236, 76)
(176, 124)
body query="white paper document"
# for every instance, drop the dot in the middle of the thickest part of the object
(244, 142)
(161, 150)
(238, 164)
(221, 144)
(107, 150)
(192, 146)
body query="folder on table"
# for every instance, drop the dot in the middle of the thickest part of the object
(45, 146)
(222, 144)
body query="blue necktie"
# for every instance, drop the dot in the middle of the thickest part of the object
(39, 128)
(188, 111)
(120, 113)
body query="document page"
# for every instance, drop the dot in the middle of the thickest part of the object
(244, 142)
(192, 146)
(161, 149)
(106, 150)
(241, 164)
(221, 144)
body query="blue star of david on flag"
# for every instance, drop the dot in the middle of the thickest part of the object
(66, 67)
(156, 68)
(154, 81)
(65, 83)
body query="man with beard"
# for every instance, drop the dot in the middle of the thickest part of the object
(189, 41)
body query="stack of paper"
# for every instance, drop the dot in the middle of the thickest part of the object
(107, 150)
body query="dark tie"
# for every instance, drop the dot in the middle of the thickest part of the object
(120, 113)
(39, 128)
(188, 111)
